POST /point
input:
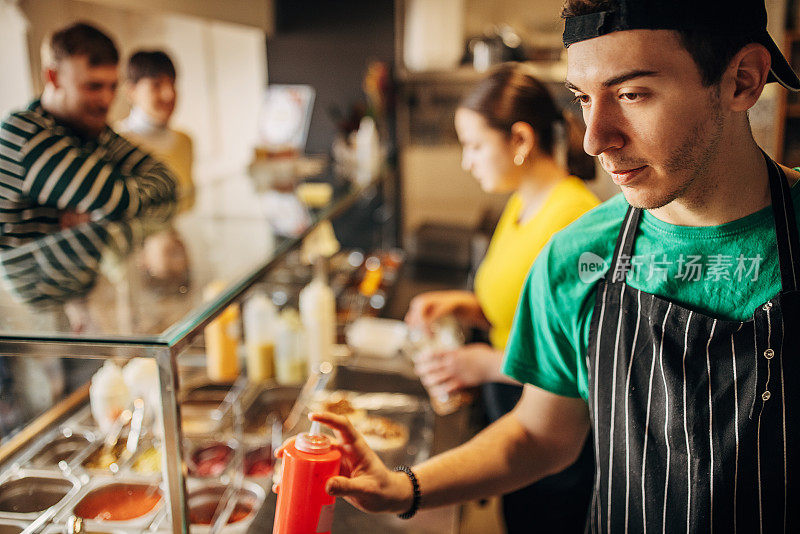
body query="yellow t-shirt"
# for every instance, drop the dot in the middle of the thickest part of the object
(514, 247)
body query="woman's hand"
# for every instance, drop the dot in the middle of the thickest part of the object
(452, 370)
(365, 482)
(426, 308)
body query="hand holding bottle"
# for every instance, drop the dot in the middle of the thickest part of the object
(364, 480)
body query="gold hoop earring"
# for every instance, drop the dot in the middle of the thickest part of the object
(519, 159)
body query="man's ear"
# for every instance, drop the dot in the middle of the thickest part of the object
(745, 77)
(50, 76)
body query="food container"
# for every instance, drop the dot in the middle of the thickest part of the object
(278, 400)
(62, 445)
(196, 418)
(198, 407)
(210, 459)
(100, 459)
(259, 462)
(204, 498)
(12, 527)
(108, 503)
(147, 460)
(27, 494)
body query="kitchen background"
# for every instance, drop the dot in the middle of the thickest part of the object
(433, 50)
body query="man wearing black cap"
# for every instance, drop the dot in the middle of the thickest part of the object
(664, 319)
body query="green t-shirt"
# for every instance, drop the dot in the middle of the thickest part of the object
(724, 271)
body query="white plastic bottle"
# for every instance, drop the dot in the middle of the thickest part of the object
(290, 354)
(368, 151)
(318, 313)
(260, 317)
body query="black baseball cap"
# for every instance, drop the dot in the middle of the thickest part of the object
(745, 17)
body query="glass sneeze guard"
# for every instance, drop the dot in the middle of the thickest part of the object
(137, 289)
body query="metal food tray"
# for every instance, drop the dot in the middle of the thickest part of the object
(13, 475)
(12, 527)
(257, 490)
(97, 482)
(27, 458)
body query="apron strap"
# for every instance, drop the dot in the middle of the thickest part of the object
(623, 251)
(785, 226)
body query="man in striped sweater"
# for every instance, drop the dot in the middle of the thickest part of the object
(60, 163)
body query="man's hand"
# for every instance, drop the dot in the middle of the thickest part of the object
(69, 218)
(365, 482)
(448, 371)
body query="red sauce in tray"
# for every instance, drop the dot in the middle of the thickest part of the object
(203, 513)
(211, 461)
(118, 502)
(258, 462)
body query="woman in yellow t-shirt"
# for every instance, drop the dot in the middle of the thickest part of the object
(514, 138)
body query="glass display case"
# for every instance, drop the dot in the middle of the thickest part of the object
(143, 293)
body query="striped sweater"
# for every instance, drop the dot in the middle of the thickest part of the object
(47, 168)
(65, 264)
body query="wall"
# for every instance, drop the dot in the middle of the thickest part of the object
(328, 45)
(16, 86)
(538, 23)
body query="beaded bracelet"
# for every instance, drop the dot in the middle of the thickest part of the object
(417, 494)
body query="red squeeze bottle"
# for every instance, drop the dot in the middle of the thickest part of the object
(303, 505)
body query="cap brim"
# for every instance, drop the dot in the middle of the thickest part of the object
(780, 71)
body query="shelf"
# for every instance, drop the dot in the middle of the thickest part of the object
(549, 72)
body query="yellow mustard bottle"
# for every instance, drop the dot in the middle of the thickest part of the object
(222, 340)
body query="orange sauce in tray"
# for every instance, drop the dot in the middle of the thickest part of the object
(118, 502)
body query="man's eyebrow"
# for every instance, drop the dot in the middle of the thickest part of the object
(616, 80)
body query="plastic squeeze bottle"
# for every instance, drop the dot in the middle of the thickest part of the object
(290, 353)
(318, 312)
(222, 340)
(303, 505)
(260, 317)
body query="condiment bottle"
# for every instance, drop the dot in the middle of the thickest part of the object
(260, 317)
(318, 313)
(304, 507)
(222, 341)
(290, 353)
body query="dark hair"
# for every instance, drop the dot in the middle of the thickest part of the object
(149, 64)
(711, 51)
(81, 39)
(510, 94)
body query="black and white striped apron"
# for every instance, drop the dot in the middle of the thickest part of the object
(696, 419)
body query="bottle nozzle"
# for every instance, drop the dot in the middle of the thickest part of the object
(316, 429)
(313, 441)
